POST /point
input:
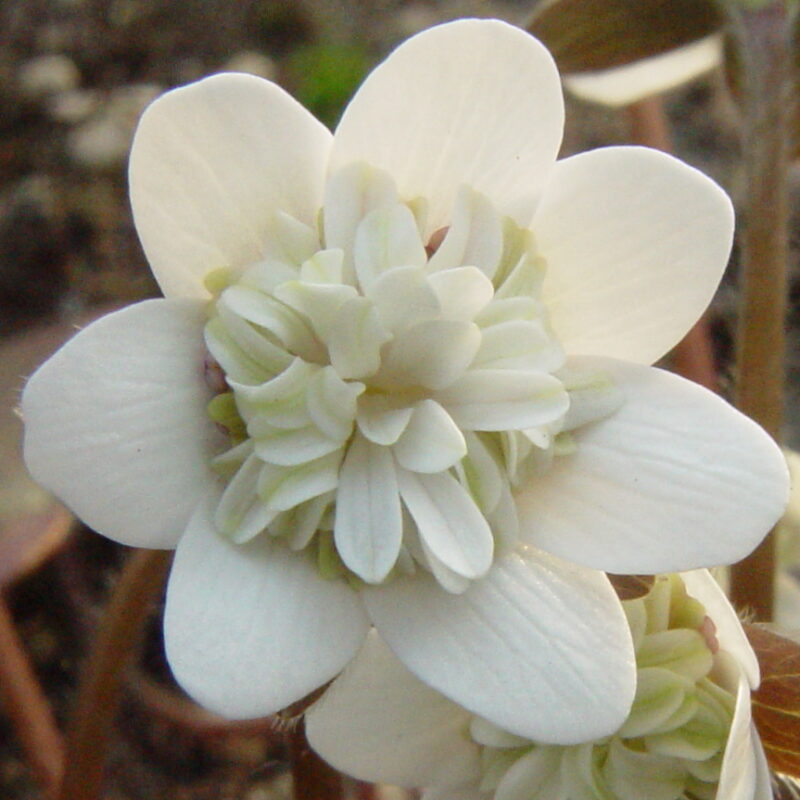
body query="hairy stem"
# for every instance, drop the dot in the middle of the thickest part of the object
(762, 38)
(98, 694)
(312, 778)
(27, 708)
(693, 356)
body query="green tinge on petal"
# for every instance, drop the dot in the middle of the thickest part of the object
(659, 693)
(222, 410)
(329, 563)
(282, 488)
(702, 737)
(356, 339)
(658, 602)
(495, 764)
(516, 242)
(218, 279)
(487, 733)
(324, 266)
(636, 613)
(681, 650)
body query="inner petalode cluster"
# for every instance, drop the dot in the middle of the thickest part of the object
(672, 745)
(385, 396)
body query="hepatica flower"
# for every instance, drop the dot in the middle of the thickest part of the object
(689, 735)
(399, 378)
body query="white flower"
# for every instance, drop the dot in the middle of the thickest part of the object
(689, 733)
(621, 86)
(380, 402)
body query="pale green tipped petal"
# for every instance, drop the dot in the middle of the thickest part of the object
(386, 238)
(355, 341)
(324, 266)
(319, 303)
(351, 193)
(660, 692)
(536, 775)
(368, 528)
(431, 442)
(289, 447)
(432, 354)
(241, 514)
(520, 345)
(449, 521)
(632, 775)
(382, 418)
(282, 488)
(498, 400)
(475, 236)
(463, 292)
(332, 403)
(289, 328)
(403, 297)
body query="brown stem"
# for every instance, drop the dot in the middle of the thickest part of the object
(100, 687)
(312, 778)
(27, 708)
(693, 356)
(762, 37)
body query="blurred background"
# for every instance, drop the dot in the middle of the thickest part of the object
(74, 77)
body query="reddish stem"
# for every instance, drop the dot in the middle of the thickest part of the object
(27, 708)
(313, 779)
(89, 735)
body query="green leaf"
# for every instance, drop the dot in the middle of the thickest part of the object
(586, 35)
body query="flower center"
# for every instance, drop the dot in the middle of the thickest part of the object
(384, 397)
(673, 742)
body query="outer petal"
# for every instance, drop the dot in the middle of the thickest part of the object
(621, 86)
(251, 628)
(675, 479)
(116, 422)
(540, 647)
(740, 764)
(701, 585)
(210, 164)
(636, 243)
(490, 117)
(378, 722)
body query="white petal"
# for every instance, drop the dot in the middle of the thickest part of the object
(403, 297)
(432, 353)
(540, 647)
(518, 344)
(332, 403)
(116, 422)
(378, 722)
(475, 236)
(369, 527)
(636, 243)
(491, 117)
(251, 628)
(675, 479)
(241, 514)
(462, 292)
(632, 775)
(282, 488)
(387, 237)
(432, 442)
(381, 418)
(536, 775)
(355, 340)
(621, 86)
(740, 767)
(351, 193)
(449, 522)
(319, 303)
(701, 585)
(499, 400)
(210, 164)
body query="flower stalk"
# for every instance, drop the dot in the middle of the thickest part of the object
(101, 683)
(312, 778)
(761, 36)
(27, 707)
